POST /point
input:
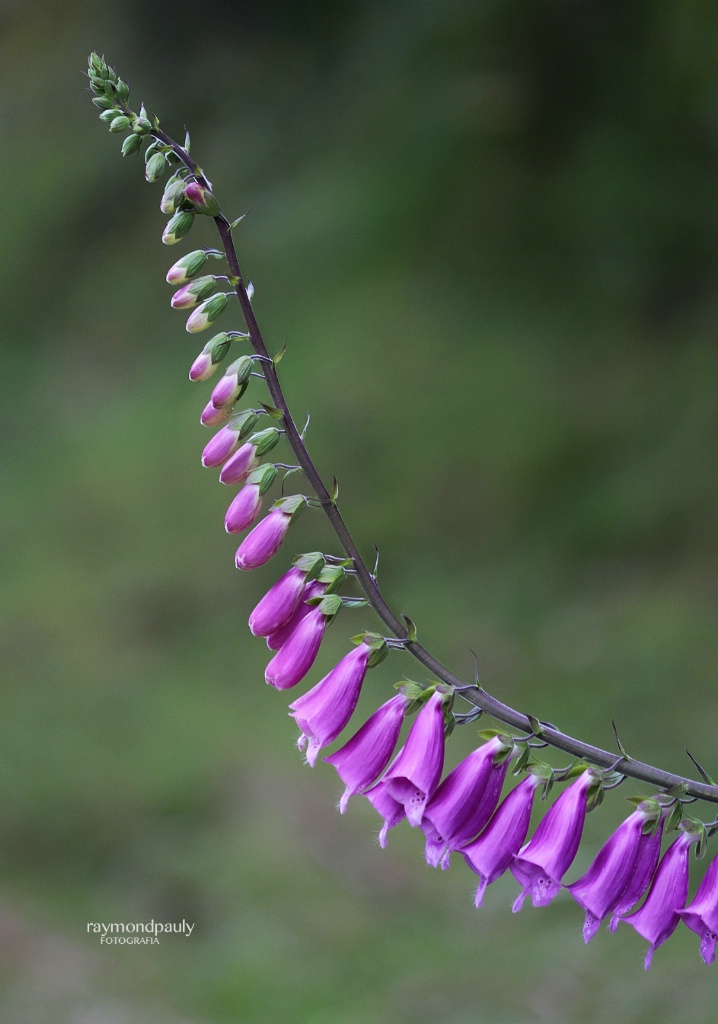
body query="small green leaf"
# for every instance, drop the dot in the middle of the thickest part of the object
(273, 411)
(280, 355)
(410, 628)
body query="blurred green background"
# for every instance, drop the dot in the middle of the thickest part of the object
(488, 234)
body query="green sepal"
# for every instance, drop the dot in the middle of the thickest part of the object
(264, 476)
(218, 347)
(507, 749)
(334, 577)
(523, 759)
(594, 796)
(449, 724)
(131, 145)
(637, 800)
(577, 768)
(535, 725)
(412, 691)
(674, 818)
(355, 602)
(242, 367)
(141, 126)
(120, 124)
(377, 645)
(273, 411)
(178, 226)
(544, 772)
(291, 506)
(330, 605)
(243, 422)
(265, 440)
(311, 563)
(335, 491)
(280, 355)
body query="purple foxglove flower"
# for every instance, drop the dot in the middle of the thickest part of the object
(207, 362)
(240, 465)
(201, 317)
(416, 770)
(391, 810)
(658, 918)
(491, 854)
(279, 603)
(244, 509)
(323, 711)
(233, 383)
(292, 661)
(541, 864)
(464, 801)
(364, 757)
(279, 637)
(644, 868)
(600, 889)
(701, 915)
(264, 541)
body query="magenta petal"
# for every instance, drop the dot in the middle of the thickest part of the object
(364, 757)
(490, 855)
(463, 802)
(240, 465)
(644, 868)
(701, 915)
(658, 918)
(264, 540)
(323, 711)
(416, 770)
(244, 509)
(292, 662)
(278, 604)
(219, 448)
(545, 859)
(391, 810)
(278, 638)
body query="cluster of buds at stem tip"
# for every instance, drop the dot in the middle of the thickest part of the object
(463, 813)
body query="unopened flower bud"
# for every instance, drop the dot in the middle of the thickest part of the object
(185, 269)
(108, 116)
(207, 362)
(123, 90)
(141, 126)
(177, 227)
(214, 417)
(265, 440)
(120, 124)
(131, 144)
(155, 167)
(227, 440)
(103, 102)
(240, 465)
(233, 383)
(202, 199)
(247, 504)
(210, 309)
(191, 294)
(172, 195)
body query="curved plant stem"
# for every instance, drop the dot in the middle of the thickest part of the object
(474, 694)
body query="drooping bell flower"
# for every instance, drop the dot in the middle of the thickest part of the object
(491, 854)
(465, 800)
(541, 864)
(658, 917)
(292, 661)
(227, 440)
(363, 758)
(701, 915)
(649, 851)
(265, 540)
(415, 772)
(246, 459)
(280, 636)
(600, 889)
(282, 600)
(247, 503)
(324, 711)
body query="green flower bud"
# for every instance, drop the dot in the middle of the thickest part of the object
(265, 440)
(156, 165)
(173, 194)
(120, 124)
(208, 312)
(107, 116)
(131, 144)
(177, 227)
(202, 199)
(123, 90)
(185, 269)
(102, 102)
(141, 126)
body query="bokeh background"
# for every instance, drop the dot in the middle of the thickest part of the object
(488, 234)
